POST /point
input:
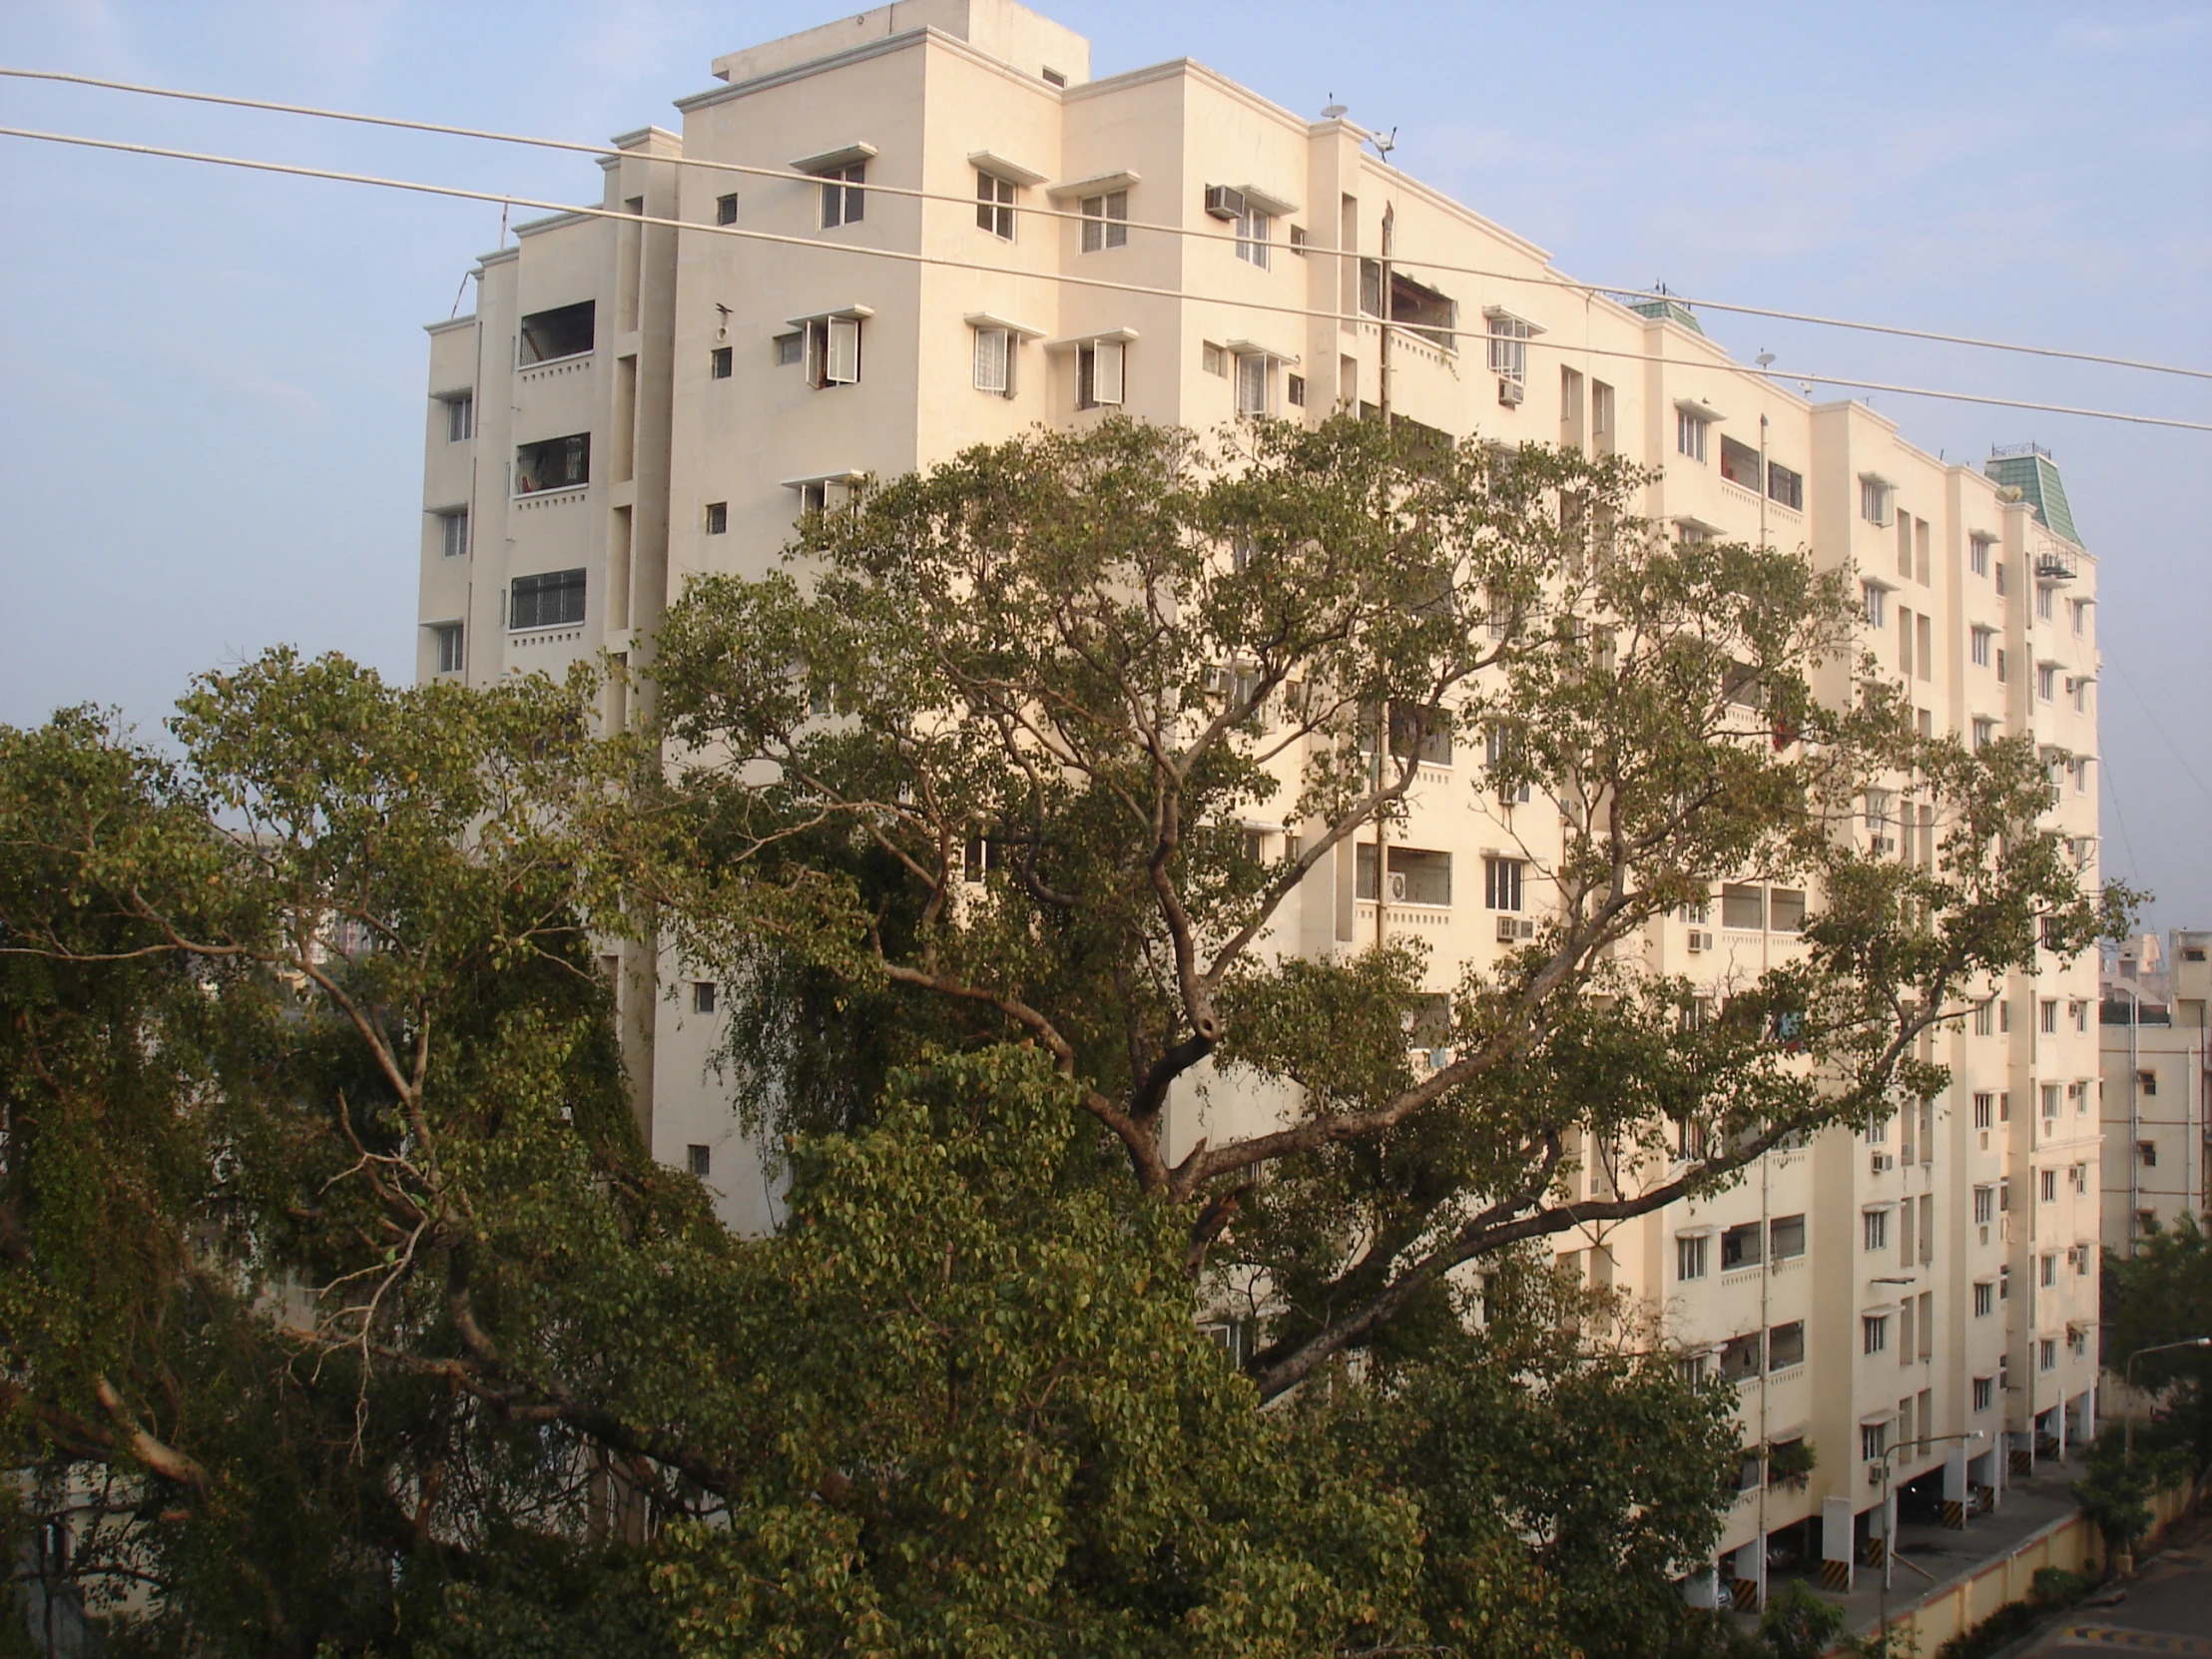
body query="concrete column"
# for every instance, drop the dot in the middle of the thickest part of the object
(1836, 1543)
(1751, 1576)
(1703, 1589)
(1955, 1485)
(2089, 1414)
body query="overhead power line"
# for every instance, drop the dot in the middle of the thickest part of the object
(1546, 280)
(460, 192)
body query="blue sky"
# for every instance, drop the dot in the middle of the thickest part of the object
(211, 383)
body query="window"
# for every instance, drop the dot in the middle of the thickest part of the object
(2044, 591)
(1984, 1102)
(1874, 500)
(814, 497)
(553, 600)
(1874, 1441)
(1786, 1237)
(449, 641)
(1980, 647)
(1690, 1256)
(1253, 230)
(833, 347)
(1740, 464)
(1740, 1247)
(1689, 434)
(1105, 221)
(1743, 905)
(2047, 1355)
(1502, 883)
(1984, 1205)
(1875, 1229)
(842, 200)
(1294, 391)
(726, 209)
(453, 534)
(703, 994)
(2046, 681)
(2000, 666)
(1997, 573)
(1508, 347)
(790, 349)
(1251, 385)
(2046, 1187)
(1743, 1356)
(1785, 910)
(1985, 734)
(460, 419)
(1873, 1334)
(1417, 877)
(1785, 487)
(1877, 598)
(1691, 1371)
(2147, 1152)
(2046, 1267)
(698, 1160)
(1213, 359)
(1977, 555)
(1100, 367)
(564, 331)
(993, 369)
(1985, 1299)
(1601, 416)
(994, 206)
(718, 518)
(553, 464)
(2050, 1027)
(2147, 1082)
(2078, 609)
(1785, 1345)
(718, 364)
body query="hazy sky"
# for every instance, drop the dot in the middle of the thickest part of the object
(212, 383)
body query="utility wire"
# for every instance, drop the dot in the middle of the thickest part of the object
(2158, 726)
(1546, 280)
(458, 192)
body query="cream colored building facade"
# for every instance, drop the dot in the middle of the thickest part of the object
(632, 405)
(2157, 1072)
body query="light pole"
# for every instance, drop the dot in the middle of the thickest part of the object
(2129, 1373)
(1889, 1516)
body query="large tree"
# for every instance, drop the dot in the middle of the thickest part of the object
(978, 764)
(342, 1311)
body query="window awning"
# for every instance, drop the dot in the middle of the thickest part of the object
(986, 161)
(1123, 335)
(850, 475)
(1498, 313)
(985, 320)
(1875, 1419)
(859, 150)
(1704, 1232)
(1267, 202)
(854, 312)
(1098, 184)
(1247, 349)
(1699, 407)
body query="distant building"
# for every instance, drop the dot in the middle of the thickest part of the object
(2155, 1077)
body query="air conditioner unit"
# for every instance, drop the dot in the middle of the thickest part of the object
(1873, 1475)
(1884, 1163)
(1511, 929)
(1397, 888)
(1224, 201)
(1510, 392)
(1700, 940)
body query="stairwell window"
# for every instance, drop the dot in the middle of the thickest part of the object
(720, 362)
(1254, 228)
(726, 209)
(453, 534)
(718, 518)
(1100, 373)
(1105, 221)
(995, 205)
(843, 199)
(1690, 431)
(449, 637)
(460, 419)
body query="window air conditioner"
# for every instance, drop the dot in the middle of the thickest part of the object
(1700, 940)
(1510, 392)
(1397, 888)
(1224, 201)
(1873, 1475)
(1884, 1163)
(1511, 929)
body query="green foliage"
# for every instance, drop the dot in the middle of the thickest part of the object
(2163, 1294)
(1799, 1623)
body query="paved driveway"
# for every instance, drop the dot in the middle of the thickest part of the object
(2167, 1609)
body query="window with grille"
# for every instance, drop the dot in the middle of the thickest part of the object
(1785, 487)
(553, 600)
(1105, 221)
(1985, 1299)
(1875, 1229)
(718, 364)
(1786, 1235)
(1690, 1256)
(726, 209)
(1254, 228)
(994, 206)
(1873, 1334)
(718, 518)
(1508, 347)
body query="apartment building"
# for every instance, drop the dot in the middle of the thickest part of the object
(635, 405)
(2155, 1077)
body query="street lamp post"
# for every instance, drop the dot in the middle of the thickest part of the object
(1889, 1516)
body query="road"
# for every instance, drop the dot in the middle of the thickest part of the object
(2167, 1609)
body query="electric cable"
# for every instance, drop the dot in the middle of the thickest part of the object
(1548, 279)
(459, 193)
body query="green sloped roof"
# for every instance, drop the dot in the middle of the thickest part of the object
(1672, 309)
(2035, 475)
